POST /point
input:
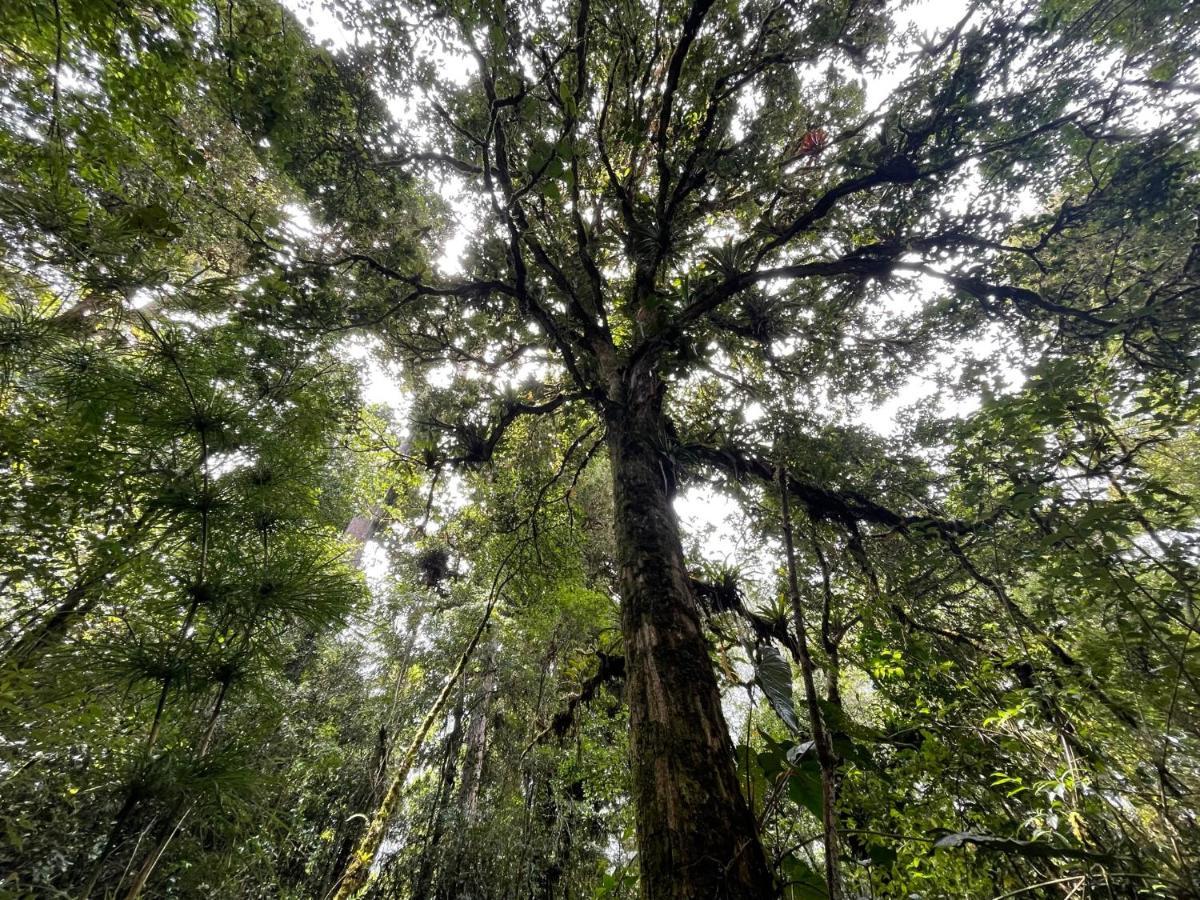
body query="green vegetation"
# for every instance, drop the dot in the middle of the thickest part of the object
(599, 449)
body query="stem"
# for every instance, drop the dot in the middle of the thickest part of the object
(364, 854)
(147, 868)
(820, 735)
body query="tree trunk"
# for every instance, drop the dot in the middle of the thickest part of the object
(363, 801)
(368, 847)
(362, 529)
(697, 838)
(31, 646)
(175, 821)
(820, 734)
(441, 810)
(100, 573)
(477, 740)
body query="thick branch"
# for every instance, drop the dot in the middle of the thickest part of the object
(691, 26)
(874, 260)
(820, 502)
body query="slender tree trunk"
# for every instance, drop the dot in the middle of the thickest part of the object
(362, 805)
(697, 838)
(120, 822)
(820, 734)
(132, 797)
(362, 529)
(98, 575)
(30, 646)
(441, 811)
(359, 869)
(175, 820)
(477, 739)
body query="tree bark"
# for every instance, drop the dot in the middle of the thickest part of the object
(441, 811)
(356, 873)
(363, 801)
(362, 529)
(697, 838)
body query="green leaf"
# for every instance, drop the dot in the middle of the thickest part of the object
(774, 676)
(801, 881)
(567, 98)
(881, 855)
(804, 787)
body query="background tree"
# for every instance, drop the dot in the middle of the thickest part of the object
(171, 508)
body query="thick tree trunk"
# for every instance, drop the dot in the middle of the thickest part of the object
(697, 838)
(362, 529)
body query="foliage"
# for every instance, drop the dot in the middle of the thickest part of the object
(709, 251)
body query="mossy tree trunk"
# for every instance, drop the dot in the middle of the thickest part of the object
(697, 837)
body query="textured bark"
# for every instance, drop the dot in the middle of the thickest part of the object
(697, 837)
(369, 792)
(423, 886)
(363, 802)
